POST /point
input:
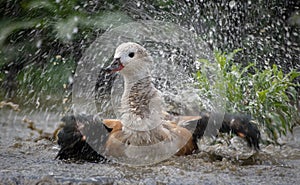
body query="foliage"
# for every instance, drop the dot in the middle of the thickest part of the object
(49, 79)
(46, 85)
(62, 18)
(269, 95)
(33, 32)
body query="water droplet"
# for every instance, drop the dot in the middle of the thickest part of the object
(75, 29)
(232, 4)
(39, 43)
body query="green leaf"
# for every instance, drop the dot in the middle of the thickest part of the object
(293, 74)
(36, 4)
(262, 95)
(9, 26)
(66, 28)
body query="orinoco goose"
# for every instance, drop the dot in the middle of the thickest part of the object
(143, 122)
(143, 119)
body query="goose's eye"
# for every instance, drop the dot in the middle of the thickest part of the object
(131, 55)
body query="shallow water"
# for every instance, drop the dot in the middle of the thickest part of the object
(28, 158)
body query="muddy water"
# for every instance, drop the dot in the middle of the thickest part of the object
(28, 158)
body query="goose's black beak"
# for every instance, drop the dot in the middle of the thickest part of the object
(115, 66)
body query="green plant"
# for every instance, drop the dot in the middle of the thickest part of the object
(45, 85)
(33, 32)
(269, 95)
(64, 20)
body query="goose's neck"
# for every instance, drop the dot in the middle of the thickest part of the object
(137, 96)
(141, 104)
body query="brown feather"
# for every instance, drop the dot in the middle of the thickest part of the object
(117, 140)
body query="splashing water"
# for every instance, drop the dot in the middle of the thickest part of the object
(175, 52)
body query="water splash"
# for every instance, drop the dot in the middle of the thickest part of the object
(175, 51)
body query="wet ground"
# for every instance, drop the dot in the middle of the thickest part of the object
(27, 156)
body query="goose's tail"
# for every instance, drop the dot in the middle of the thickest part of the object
(238, 124)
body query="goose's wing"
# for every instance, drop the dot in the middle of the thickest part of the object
(82, 138)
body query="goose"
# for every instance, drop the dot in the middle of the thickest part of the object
(144, 122)
(143, 116)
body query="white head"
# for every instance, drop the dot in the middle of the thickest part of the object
(132, 60)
